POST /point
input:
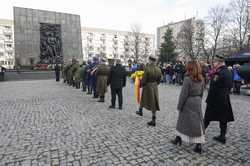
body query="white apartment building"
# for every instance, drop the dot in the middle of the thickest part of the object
(6, 44)
(114, 44)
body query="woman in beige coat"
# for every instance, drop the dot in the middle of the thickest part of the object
(190, 126)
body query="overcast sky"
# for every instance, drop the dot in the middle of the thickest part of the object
(119, 14)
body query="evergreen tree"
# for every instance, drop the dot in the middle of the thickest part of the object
(167, 49)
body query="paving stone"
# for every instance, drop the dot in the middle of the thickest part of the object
(48, 123)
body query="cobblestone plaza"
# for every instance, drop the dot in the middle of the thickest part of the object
(48, 123)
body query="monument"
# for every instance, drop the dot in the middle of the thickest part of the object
(46, 37)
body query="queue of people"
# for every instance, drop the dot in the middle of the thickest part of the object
(96, 76)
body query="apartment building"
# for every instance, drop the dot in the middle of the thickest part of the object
(6, 44)
(114, 44)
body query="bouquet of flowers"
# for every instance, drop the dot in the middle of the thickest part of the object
(137, 76)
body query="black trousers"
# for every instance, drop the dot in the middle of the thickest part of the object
(57, 76)
(223, 127)
(237, 85)
(118, 92)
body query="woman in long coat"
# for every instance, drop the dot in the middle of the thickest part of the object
(190, 126)
(102, 74)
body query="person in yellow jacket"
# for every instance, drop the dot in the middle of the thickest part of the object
(137, 77)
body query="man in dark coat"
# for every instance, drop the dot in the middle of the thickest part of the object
(150, 96)
(218, 100)
(57, 72)
(117, 80)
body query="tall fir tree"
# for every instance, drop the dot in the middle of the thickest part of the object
(167, 49)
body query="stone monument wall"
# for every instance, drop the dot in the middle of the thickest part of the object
(66, 42)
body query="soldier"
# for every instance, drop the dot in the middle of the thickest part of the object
(150, 81)
(117, 80)
(77, 76)
(102, 74)
(70, 73)
(218, 100)
(83, 76)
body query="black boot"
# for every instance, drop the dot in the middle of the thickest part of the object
(152, 123)
(198, 148)
(222, 137)
(112, 107)
(139, 112)
(101, 99)
(95, 97)
(177, 141)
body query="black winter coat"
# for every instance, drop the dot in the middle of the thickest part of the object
(117, 77)
(218, 100)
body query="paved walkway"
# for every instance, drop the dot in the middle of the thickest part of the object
(49, 123)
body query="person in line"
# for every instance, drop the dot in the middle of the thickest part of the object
(94, 77)
(137, 77)
(57, 72)
(88, 77)
(117, 80)
(236, 79)
(150, 96)
(83, 76)
(218, 100)
(190, 125)
(102, 73)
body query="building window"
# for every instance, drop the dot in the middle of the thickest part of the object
(9, 45)
(7, 27)
(1, 54)
(8, 36)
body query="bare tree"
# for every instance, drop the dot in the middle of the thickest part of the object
(136, 41)
(217, 21)
(240, 21)
(191, 37)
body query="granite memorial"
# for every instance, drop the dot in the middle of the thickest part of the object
(46, 37)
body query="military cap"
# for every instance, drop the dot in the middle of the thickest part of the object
(219, 57)
(152, 58)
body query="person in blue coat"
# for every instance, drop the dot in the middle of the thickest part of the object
(236, 79)
(94, 76)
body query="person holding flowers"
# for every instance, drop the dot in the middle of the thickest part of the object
(137, 77)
